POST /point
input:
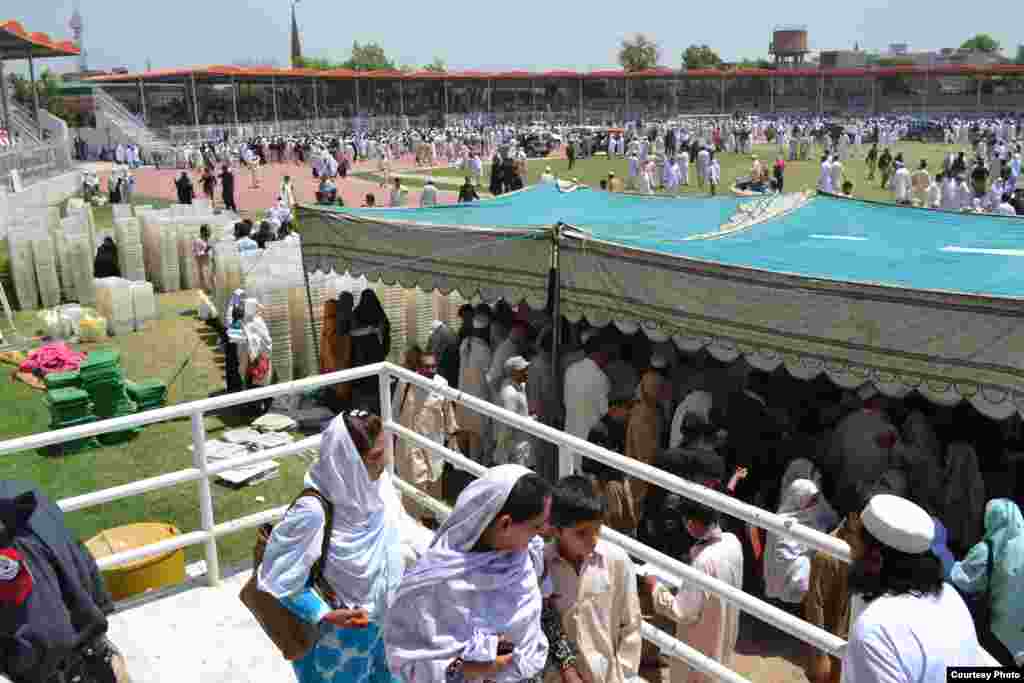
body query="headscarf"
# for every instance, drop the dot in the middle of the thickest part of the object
(364, 560)
(800, 468)
(454, 601)
(346, 303)
(787, 563)
(1003, 523)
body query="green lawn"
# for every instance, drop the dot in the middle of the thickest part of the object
(800, 175)
(159, 351)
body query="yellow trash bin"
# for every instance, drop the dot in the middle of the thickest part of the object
(137, 577)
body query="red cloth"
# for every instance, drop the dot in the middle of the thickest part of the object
(53, 357)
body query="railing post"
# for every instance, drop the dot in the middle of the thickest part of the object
(386, 416)
(205, 497)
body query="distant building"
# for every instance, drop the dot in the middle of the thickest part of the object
(843, 59)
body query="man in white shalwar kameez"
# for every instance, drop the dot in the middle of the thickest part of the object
(585, 395)
(634, 170)
(475, 361)
(703, 158)
(825, 177)
(837, 175)
(513, 446)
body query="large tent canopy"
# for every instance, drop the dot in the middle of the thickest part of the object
(904, 299)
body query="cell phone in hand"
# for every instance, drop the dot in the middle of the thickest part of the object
(505, 648)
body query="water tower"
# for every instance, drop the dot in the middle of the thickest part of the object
(77, 27)
(789, 45)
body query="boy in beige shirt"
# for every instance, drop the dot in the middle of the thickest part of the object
(595, 589)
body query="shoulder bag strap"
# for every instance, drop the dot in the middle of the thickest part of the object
(316, 571)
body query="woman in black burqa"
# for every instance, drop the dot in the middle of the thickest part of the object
(106, 264)
(371, 343)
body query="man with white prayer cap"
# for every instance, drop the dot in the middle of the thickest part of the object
(513, 446)
(914, 626)
(474, 362)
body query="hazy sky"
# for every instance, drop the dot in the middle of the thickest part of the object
(527, 34)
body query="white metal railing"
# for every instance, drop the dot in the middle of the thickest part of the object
(203, 470)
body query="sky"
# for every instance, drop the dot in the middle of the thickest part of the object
(529, 34)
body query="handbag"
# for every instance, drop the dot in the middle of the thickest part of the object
(292, 636)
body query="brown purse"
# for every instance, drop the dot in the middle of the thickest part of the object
(292, 636)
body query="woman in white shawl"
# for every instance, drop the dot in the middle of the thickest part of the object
(787, 562)
(471, 607)
(364, 560)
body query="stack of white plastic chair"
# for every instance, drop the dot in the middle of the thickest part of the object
(228, 275)
(121, 211)
(179, 210)
(21, 264)
(79, 256)
(169, 276)
(265, 281)
(114, 302)
(152, 223)
(188, 230)
(143, 304)
(59, 251)
(202, 207)
(45, 259)
(128, 235)
(312, 327)
(76, 207)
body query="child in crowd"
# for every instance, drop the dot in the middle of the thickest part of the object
(595, 589)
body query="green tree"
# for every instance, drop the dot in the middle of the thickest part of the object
(368, 57)
(982, 42)
(754, 64)
(317, 63)
(639, 53)
(437, 66)
(701, 57)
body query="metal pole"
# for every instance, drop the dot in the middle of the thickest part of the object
(195, 99)
(234, 98)
(490, 91)
(142, 101)
(874, 95)
(312, 318)
(357, 97)
(401, 98)
(273, 94)
(3, 98)
(35, 95)
(625, 89)
(821, 94)
(771, 92)
(979, 93)
(387, 416)
(581, 101)
(566, 459)
(205, 497)
(316, 104)
(444, 84)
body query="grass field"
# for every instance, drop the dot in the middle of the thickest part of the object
(157, 352)
(800, 175)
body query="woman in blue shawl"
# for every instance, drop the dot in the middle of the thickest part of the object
(1004, 539)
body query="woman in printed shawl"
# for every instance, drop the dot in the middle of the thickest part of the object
(471, 607)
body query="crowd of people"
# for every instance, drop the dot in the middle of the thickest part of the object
(936, 538)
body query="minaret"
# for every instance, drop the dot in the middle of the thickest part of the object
(296, 45)
(77, 27)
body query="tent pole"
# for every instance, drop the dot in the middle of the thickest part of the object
(556, 334)
(312, 318)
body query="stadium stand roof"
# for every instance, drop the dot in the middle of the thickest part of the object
(215, 72)
(17, 43)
